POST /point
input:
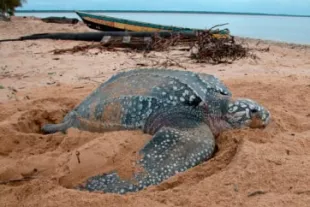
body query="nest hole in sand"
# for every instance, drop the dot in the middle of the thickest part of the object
(31, 121)
(36, 113)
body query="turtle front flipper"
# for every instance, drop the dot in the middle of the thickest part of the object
(171, 150)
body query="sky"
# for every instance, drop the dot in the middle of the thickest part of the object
(297, 7)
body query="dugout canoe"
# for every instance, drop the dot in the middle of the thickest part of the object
(108, 23)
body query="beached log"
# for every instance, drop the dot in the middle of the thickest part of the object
(97, 36)
(60, 20)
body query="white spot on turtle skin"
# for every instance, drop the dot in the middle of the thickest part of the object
(217, 88)
(243, 105)
(247, 112)
(163, 93)
(186, 92)
(182, 99)
(192, 98)
(234, 109)
(251, 106)
(238, 118)
(240, 114)
(171, 97)
(140, 106)
(175, 88)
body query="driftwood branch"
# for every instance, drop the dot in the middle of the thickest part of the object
(28, 178)
(218, 25)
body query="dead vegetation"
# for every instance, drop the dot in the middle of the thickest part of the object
(205, 46)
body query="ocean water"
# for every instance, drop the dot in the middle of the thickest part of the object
(277, 28)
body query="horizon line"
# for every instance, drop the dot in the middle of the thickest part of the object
(163, 11)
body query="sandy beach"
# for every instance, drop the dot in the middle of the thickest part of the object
(253, 167)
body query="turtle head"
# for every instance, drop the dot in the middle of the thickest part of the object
(246, 113)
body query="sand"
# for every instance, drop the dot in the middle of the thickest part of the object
(252, 167)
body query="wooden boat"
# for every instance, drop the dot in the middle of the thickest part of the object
(107, 23)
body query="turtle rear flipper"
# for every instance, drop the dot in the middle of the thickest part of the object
(76, 121)
(171, 150)
(53, 128)
(69, 121)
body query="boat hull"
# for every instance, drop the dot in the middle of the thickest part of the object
(92, 24)
(107, 23)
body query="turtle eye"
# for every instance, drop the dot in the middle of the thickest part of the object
(223, 93)
(254, 111)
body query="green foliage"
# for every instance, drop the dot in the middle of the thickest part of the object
(8, 6)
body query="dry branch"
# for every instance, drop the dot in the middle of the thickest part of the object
(28, 178)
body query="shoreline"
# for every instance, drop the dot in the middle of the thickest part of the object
(161, 11)
(267, 41)
(274, 42)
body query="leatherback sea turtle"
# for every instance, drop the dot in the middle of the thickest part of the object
(183, 111)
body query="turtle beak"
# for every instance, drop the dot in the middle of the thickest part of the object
(260, 119)
(266, 118)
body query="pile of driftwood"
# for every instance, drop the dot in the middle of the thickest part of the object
(203, 46)
(217, 50)
(209, 46)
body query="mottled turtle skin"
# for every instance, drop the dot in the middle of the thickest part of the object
(183, 111)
